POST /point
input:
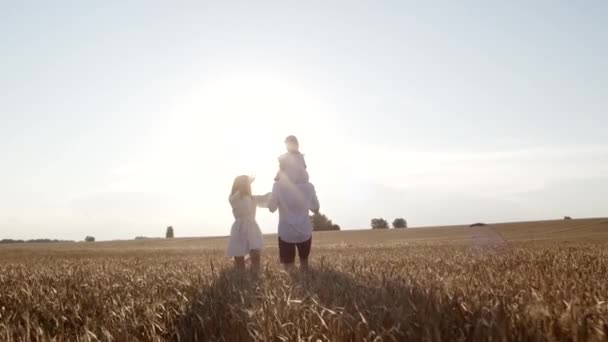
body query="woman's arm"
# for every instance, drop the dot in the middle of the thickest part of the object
(262, 200)
(233, 197)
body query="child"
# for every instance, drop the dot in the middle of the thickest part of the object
(245, 235)
(291, 164)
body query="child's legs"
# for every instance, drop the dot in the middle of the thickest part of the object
(255, 255)
(278, 176)
(239, 262)
(305, 176)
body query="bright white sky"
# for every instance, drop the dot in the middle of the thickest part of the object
(120, 118)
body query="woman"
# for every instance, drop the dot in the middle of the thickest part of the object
(245, 235)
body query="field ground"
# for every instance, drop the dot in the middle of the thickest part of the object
(543, 281)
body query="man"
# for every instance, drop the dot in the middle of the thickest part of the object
(295, 229)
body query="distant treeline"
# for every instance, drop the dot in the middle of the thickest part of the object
(33, 241)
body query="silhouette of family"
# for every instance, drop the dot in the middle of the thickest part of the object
(292, 195)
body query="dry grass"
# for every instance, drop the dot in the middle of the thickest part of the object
(419, 289)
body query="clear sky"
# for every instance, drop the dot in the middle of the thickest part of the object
(118, 118)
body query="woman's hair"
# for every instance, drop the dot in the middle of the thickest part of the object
(242, 184)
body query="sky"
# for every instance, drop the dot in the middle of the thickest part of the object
(119, 118)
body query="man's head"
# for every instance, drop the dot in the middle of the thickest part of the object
(291, 143)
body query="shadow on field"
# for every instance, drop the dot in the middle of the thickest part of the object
(358, 308)
(322, 303)
(221, 310)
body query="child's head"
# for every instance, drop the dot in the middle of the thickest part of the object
(291, 142)
(242, 184)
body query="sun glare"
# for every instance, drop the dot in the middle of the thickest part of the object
(238, 122)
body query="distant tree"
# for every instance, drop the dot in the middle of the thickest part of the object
(40, 240)
(89, 239)
(567, 218)
(33, 241)
(44, 240)
(11, 241)
(399, 223)
(169, 234)
(320, 222)
(379, 223)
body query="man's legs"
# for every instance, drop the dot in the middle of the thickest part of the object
(287, 254)
(304, 253)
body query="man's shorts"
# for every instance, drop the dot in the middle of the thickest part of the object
(287, 251)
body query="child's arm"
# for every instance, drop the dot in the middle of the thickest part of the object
(282, 168)
(314, 205)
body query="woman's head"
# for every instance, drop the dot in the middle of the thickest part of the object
(242, 184)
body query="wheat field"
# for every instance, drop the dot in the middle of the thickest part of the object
(531, 281)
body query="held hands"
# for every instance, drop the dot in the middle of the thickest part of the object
(262, 200)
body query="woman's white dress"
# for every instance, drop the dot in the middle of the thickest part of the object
(245, 234)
